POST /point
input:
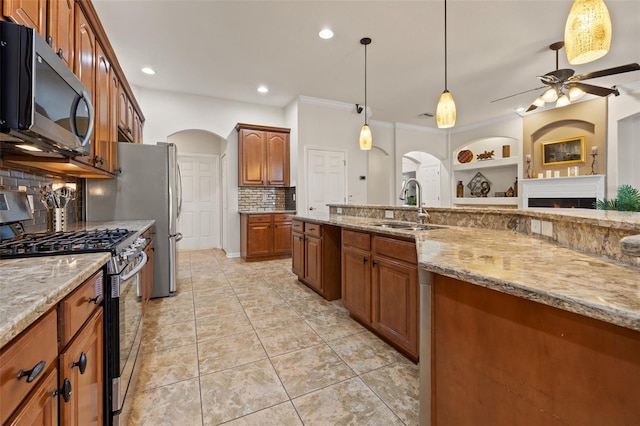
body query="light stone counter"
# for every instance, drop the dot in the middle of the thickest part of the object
(29, 287)
(517, 264)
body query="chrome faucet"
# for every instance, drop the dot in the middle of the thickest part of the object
(421, 214)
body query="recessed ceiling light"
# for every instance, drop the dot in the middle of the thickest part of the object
(148, 70)
(263, 89)
(325, 34)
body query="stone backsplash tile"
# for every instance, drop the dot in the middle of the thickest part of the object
(12, 176)
(266, 199)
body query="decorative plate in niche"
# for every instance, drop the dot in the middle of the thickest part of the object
(479, 185)
(465, 156)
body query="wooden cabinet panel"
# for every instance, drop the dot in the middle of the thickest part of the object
(82, 364)
(76, 308)
(36, 348)
(31, 13)
(41, 407)
(260, 240)
(277, 161)
(297, 254)
(356, 282)
(252, 152)
(101, 147)
(137, 127)
(260, 218)
(313, 263)
(60, 29)
(114, 87)
(395, 302)
(281, 237)
(85, 44)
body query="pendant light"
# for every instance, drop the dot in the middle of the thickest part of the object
(446, 110)
(366, 139)
(587, 34)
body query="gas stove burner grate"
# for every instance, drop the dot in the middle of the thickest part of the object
(62, 243)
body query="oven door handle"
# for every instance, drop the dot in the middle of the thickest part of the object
(138, 267)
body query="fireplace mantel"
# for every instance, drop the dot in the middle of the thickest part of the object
(568, 187)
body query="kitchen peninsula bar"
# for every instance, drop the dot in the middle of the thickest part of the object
(522, 329)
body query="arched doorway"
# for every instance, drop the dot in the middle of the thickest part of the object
(200, 221)
(426, 168)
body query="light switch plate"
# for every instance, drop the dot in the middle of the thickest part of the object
(535, 226)
(339, 210)
(388, 214)
(547, 228)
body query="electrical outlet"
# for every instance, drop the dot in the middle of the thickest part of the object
(547, 229)
(535, 226)
(339, 210)
(388, 214)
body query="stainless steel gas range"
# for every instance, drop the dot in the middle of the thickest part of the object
(121, 297)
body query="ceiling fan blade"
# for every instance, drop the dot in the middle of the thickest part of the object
(516, 94)
(594, 90)
(608, 71)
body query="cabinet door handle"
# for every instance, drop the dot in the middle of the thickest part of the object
(50, 41)
(33, 373)
(95, 300)
(82, 363)
(365, 260)
(374, 263)
(60, 53)
(65, 390)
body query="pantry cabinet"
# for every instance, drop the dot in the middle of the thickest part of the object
(264, 155)
(52, 373)
(316, 257)
(265, 236)
(380, 286)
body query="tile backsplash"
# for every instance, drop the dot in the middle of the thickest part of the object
(14, 176)
(266, 199)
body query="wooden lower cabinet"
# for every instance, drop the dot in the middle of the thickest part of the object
(380, 287)
(82, 364)
(316, 257)
(265, 236)
(41, 407)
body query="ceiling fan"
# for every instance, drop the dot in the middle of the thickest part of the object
(564, 87)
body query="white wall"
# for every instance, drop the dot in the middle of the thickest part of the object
(623, 139)
(195, 141)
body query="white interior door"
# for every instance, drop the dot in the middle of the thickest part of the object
(326, 184)
(224, 166)
(429, 177)
(200, 219)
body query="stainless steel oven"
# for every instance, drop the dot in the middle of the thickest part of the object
(123, 330)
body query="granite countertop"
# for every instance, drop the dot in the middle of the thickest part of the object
(266, 211)
(521, 265)
(29, 287)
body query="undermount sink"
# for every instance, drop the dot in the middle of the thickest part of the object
(407, 226)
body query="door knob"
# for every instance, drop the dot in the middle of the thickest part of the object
(310, 208)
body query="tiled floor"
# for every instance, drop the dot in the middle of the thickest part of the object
(247, 344)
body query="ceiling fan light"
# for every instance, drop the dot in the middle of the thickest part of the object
(563, 101)
(446, 111)
(539, 102)
(587, 33)
(575, 93)
(366, 139)
(550, 95)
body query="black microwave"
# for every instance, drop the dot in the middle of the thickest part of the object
(42, 103)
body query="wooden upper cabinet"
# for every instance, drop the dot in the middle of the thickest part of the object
(85, 43)
(114, 85)
(137, 127)
(263, 154)
(31, 13)
(102, 136)
(60, 20)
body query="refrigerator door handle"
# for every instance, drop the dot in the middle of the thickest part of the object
(179, 191)
(177, 236)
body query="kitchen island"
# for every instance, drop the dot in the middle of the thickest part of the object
(518, 329)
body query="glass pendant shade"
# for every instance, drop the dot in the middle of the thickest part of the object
(563, 101)
(446, 111)
(575, 93)
(539, 102)
(587, 34)
(366, 139)
(551, 95)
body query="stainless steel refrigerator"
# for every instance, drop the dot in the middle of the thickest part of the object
(148, 187)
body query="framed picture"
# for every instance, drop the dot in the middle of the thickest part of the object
(563, 151)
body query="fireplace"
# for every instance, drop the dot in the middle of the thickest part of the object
(564, 192)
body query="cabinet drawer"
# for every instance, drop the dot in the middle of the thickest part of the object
(37, 344)
(282, 217)
(76, 308)
(359, 240)
(313, 229)
(260, 218)
(298, 226)
(395, 249)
